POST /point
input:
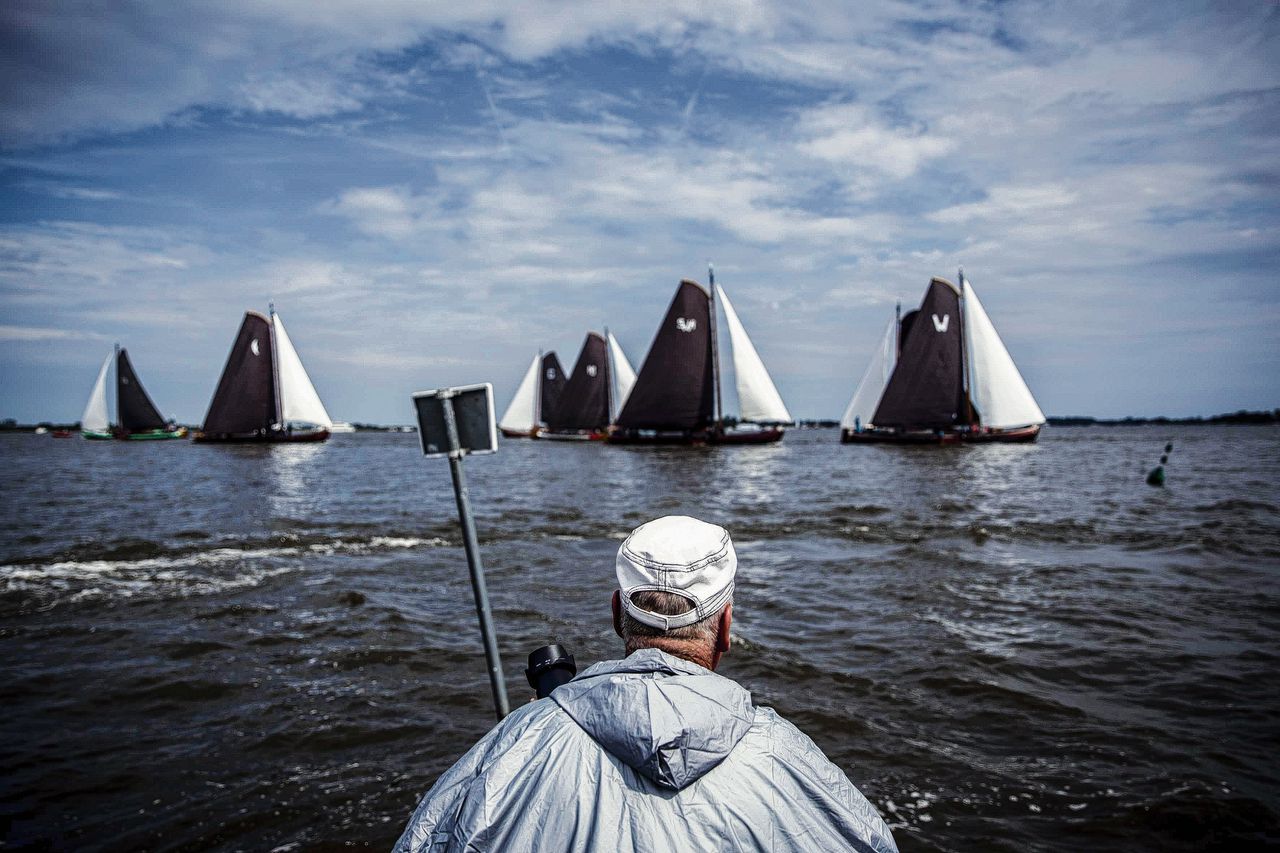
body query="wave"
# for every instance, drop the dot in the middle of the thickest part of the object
(133, 568)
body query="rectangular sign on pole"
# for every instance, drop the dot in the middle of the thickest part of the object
(472, 414)
(454, 422)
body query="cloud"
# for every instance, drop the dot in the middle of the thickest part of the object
(26, 334)
(851, 136)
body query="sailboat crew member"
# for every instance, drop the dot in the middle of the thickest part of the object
(655, 751)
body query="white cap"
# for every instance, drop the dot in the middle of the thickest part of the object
(677, 554)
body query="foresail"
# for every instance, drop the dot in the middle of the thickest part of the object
(997, 389)
(863, 405)
(96, 417)
(758, 398)
(137, 413)
(624, 376)
(520, 414)
(299, 402)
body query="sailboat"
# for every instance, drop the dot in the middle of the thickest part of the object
(137, 418)
(677, 396)
(941, 375)
(536, 395)
(601, 381)
(264, 393)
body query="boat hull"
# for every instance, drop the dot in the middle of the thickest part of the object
(272, 437)
(766, 435)
(1021, 435)
(546, 435)
(154, 435)
(517, 433)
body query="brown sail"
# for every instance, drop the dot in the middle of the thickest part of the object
(245, 402)
(584, 403)
(134, 408)
(926, 390)
(675, 389)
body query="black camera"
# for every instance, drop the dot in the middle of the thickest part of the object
(549, 667)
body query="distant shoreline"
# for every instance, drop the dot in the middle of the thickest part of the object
(1239, 417)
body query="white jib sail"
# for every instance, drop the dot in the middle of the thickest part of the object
(624, 376)
(519, 416)
(299, 402)
(758, 398)
(997, 389)
(95, 417)
(867, 398)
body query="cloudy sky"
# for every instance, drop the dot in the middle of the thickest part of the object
(431, 192)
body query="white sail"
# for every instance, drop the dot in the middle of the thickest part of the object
(522, 414)
(867, 398)
(623, 375)
(996, 388)
(758, 399)
(96, 417)
(299, 402)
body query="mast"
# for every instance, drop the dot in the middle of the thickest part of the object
(608, 379)
(966, 373)
(275, 365)
(897, 328)
(715, 347)
(116, 362)
(537, 392)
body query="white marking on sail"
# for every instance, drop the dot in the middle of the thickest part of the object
(520, 415)
(758, 398)
(997, 388)
(299, 402)
(624, 376)
(867, 398)
(96, 417)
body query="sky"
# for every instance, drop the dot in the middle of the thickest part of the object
(430, 193)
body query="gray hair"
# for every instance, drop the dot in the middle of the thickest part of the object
(638, 635)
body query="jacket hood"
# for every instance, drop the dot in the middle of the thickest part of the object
(671, 720)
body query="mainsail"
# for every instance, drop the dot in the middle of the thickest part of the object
(862, 407)
(675, 389)
(96, 417)
(245, 400)
(926, 390)
(624, 376)
(552, 384)
(520, 416)
(584, 403)
(299, 402)
(136, 411)
(997, 389)
(758, 398)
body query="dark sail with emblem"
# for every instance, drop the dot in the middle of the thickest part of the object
(552, 385)
(135, 411)
(904, 328)
(245, 401)
(584, 404)
(675, 388)
(926, 390)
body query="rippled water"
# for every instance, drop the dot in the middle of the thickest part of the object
(1005, 648)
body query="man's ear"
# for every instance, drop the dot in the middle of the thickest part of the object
(722, 629)
(617, 611)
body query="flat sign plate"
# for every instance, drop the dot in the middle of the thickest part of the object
(473, 412)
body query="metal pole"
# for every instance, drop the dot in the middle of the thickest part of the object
(470, 542)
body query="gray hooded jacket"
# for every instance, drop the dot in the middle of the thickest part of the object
(650, 753)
